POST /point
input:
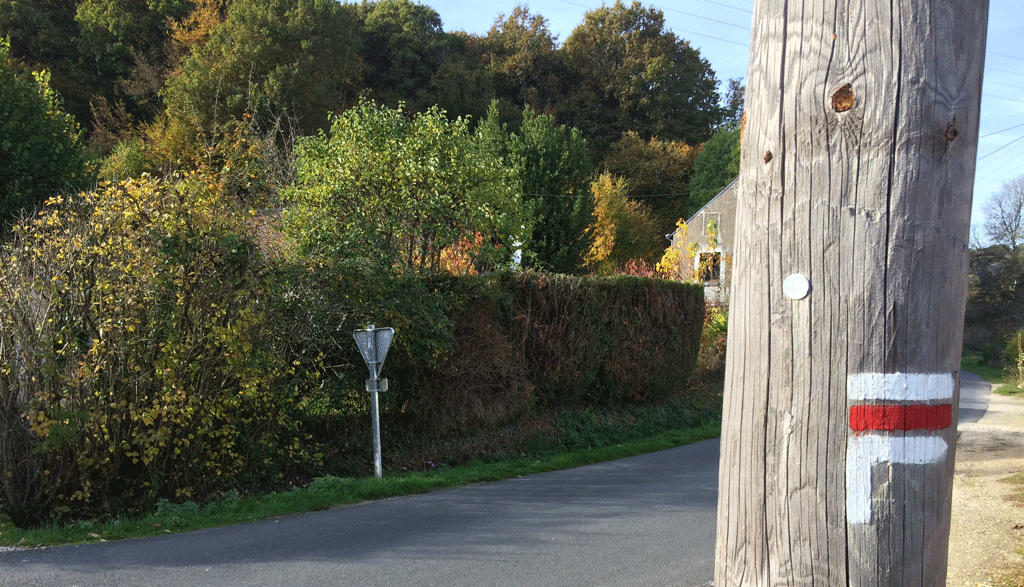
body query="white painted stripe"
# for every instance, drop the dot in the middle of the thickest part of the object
(863, 452)
(900, 386)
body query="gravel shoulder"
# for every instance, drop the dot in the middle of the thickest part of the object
(987, 529)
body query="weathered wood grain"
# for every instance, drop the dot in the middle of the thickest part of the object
(856, 172)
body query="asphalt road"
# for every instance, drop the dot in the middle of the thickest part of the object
(644, 521)
(975, 394)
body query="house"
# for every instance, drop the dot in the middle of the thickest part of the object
(712, 229)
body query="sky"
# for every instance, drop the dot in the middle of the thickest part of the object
(720, 29)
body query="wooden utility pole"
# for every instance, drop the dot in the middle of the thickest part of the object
(849, 282)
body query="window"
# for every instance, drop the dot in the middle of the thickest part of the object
(710, 268)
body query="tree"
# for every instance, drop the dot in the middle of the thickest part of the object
(125, 43)
(398, 190)
(716, 165)
(734, 102)
(994, 299)
(150, 371)
(628, 72)
(1004, 213)
(655, 168)
(44, 36)
(554, 166)
(994, 307)
(463, 85)
(523, 57)
(403, 46)
(41, 146)
(623, 229)
(298, 56)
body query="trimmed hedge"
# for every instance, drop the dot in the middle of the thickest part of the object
(473, 352)
(524, 339)
(653, 330)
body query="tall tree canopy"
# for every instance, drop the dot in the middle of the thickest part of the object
(623, 229)
(656, 172)
(628, 72)
(298, 57)
(523, 56)
(463, 84)
(1004, 214)
(403, 47)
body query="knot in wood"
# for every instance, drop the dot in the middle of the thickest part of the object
(843, 99)
(951, 133)
(767, 157)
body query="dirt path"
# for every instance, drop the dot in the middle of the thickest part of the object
(987, 529)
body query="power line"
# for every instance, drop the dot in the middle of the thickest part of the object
(996, 169)
(1007, 174)
(987, 68)
(728, 6)
(1001, 131)
(746, 28)
(575, 4)
(1004, 55)
(741, 27)
(588, 195)
(1005, 158)
(707, 1)
(1001, 148)
(746, 45)
(1015, 169)
(1002, 84)
(1002, 98)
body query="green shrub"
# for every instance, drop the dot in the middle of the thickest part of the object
(148, 354)
(1013, 356)
(591, 428)
(41, 146)
(716, 165)
(134, 365)
(478, 383)
(477, 352)
(601, 341)
(127, 159)
(711, 358)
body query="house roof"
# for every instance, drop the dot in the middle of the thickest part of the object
(711, 201)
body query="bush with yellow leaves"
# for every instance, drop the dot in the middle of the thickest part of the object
(133, 364)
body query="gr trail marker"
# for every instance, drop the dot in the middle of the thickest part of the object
(373, 343)
(897, 423)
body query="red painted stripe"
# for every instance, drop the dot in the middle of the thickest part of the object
(891, 418)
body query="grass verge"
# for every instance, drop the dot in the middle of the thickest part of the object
(995, 375)
(973, 362)
(1009, 390)
(328, 492)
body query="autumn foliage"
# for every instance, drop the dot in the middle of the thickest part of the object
(134, 360)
